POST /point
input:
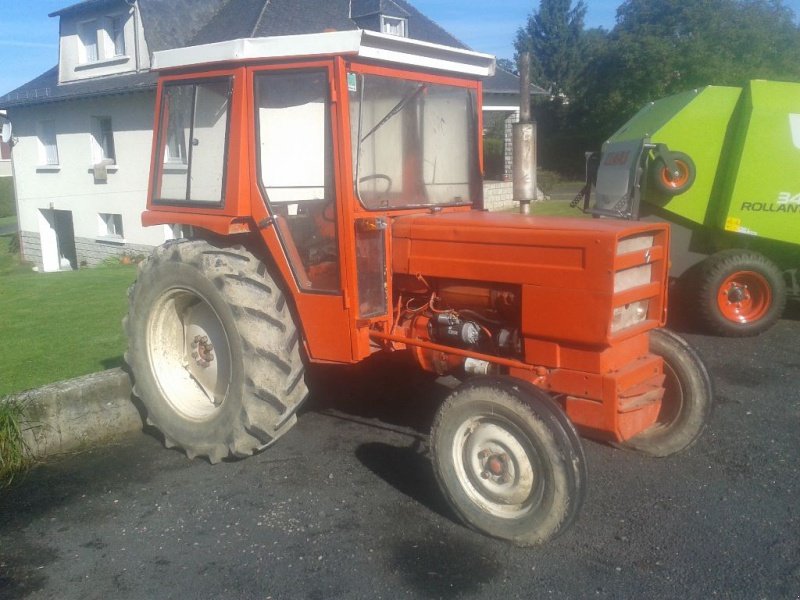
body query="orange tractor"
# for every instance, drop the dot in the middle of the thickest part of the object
(327, 193)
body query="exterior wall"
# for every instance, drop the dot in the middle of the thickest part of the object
(71, 68)
(71, 186)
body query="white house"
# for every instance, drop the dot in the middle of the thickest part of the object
(83, 129)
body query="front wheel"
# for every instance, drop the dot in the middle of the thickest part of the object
(213, 349)
(508, 460)
(741, 293)
(687, 402)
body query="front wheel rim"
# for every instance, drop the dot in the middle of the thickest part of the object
(189, 353)
(744, 297)
(497, 467)
(670, 181)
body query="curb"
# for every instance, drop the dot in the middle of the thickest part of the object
(72, 414)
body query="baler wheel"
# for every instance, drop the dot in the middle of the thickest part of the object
(508, 460)
(670, 183)
(741, 293)
(687, 403)
(213, 349)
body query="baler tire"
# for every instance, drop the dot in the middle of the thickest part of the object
(761, 303)
(687, 403)
(237, 397)
(663, 180)
(537, 488)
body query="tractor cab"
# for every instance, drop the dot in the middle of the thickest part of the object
(314, 154)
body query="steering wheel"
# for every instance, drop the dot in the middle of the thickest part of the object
(381, 176)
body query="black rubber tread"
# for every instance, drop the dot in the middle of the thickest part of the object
(684, 429)
(548, 430)
(267, 381)
(659, 165)
(715, 270)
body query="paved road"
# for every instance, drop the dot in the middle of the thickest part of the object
(345, 507)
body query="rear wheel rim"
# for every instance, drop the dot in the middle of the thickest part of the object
(189, 353)
(670, 181)
(744, 297)
(497, 467)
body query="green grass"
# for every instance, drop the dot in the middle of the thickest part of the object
(58, 325)
(14, 454)
(555, 208)
(10, 220)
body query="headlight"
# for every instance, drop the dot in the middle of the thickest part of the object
(629, 315)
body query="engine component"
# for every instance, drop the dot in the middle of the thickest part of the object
(448, 328)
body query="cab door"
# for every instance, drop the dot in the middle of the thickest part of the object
(295, 162)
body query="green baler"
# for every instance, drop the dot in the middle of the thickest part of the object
(722, 165)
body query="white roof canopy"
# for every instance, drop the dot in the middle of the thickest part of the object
(361, 43)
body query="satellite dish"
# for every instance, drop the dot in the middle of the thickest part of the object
(6, 133)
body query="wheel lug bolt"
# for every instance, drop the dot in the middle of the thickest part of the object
(486, 474)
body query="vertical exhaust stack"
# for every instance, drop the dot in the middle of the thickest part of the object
(524, 143)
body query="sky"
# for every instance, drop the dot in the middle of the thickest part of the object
(29, 44)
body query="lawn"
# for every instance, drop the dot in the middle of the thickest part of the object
(58, 325)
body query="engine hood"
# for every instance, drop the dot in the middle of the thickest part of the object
(513, 248)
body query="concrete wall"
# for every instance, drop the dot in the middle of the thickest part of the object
(5, 168)
(72, 186)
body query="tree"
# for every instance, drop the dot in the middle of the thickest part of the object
(662, 47)
(554, 36)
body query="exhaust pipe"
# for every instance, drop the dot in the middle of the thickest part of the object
(524, 143)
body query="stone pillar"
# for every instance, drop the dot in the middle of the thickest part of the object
(509, 146)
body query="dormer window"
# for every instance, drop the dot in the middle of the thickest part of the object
(394, 26)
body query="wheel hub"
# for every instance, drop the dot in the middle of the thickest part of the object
(744, 297)
(189, 353)
(495, 466)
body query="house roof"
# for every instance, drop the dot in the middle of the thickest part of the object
(170, 24)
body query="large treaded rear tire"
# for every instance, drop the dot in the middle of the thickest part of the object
(243, 398)
(741, 293)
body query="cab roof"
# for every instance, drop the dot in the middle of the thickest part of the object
(358, 43)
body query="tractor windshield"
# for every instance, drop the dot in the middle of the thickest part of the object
(414, 143)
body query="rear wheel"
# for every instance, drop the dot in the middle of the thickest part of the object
(687, 402)
(741, 293)
(213, 349)
(508, 460)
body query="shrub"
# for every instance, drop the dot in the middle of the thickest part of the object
(7, 207)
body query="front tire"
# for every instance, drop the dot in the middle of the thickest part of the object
(508, 460)
(213, 349)
(741, 293)
(687, 403)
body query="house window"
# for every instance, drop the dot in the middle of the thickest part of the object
(87, 33)
(103, 141)
(110, 225)
(394, 26)
(48, 149)
(102, 40)
(116, 31)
